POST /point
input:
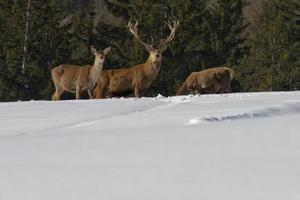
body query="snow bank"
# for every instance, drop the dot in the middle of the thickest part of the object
(235, 146)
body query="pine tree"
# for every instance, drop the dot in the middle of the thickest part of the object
(12, 40)
(191, 44)
(227, 27)
(291, 12)
(59, 32)
(273, 63)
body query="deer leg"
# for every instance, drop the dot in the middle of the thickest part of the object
(78, 90)
(99, 92)
(90, 93)
(57, 94)
(96, 93)
(60, 93)
(137, 93)
(54, 96)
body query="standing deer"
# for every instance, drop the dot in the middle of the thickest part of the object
(75, 79)
(134, 80)
(209, 81)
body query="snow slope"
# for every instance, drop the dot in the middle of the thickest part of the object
(232, 147)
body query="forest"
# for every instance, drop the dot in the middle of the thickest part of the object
(36, 36)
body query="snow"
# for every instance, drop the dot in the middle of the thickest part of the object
(212, 147)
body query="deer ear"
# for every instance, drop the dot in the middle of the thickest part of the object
(93, 50)
(107, 50)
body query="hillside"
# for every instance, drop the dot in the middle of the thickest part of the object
(231, 147)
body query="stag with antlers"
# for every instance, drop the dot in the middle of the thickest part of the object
(134, 80)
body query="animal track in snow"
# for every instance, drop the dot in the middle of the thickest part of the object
(285, 109)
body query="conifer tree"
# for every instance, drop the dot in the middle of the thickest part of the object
(58, 32)
(227, 27)
(12, 40)
(273, 62)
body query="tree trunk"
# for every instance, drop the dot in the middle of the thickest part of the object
(26, 34)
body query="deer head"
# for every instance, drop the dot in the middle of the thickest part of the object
(100, 55)
(155, 52)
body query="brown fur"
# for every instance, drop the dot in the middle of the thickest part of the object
(123, 82)
(209, 81)
(134, 80)
(75, 79)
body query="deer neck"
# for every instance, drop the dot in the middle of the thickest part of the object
(96, 71)
(152, 68)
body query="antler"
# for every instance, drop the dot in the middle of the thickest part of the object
(164, 43)
(133, 30)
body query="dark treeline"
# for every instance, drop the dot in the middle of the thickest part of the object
(264, 54)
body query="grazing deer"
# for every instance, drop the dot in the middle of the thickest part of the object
(75, 79)
(134, 80)
(209, 81)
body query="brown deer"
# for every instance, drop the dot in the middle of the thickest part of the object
(75, 79)
(209, 81)
(134, 80)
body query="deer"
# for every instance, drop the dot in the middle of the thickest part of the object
(135, 80)
(210, 81)
(76, 79)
